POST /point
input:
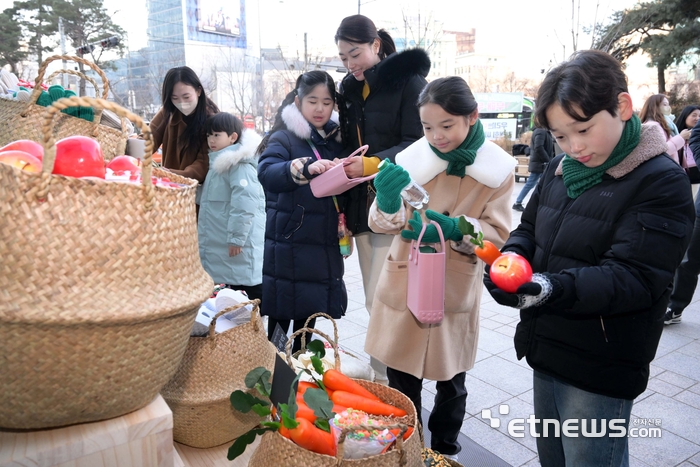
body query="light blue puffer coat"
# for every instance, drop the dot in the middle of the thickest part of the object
(232, 212)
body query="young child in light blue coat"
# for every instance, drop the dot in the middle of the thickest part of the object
(232, 207)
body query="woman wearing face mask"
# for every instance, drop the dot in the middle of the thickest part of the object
(379, 109)
(179, 124)
(654, 110)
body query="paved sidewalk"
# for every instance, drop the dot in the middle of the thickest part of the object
(673, 394)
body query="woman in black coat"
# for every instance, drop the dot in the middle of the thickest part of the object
(378, 109)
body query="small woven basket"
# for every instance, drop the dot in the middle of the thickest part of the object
(276, 450)
(212, 368)
(24, 120)
(100, 284)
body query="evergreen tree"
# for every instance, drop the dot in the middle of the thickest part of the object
(38, 24)
(10, 34)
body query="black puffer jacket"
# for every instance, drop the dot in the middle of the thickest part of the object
(302, 266)
(388, 120)
(615, 249)
(541, 150)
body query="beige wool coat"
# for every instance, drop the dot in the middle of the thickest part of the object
(439, 351)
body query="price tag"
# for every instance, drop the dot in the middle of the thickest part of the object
(281, 382)
(279, 338)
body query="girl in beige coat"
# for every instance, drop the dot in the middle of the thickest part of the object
(465, 176)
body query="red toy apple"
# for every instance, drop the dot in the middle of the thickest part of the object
(79, 156)
(26, 145)
(22, 160)
(124, 163)
(509, 271)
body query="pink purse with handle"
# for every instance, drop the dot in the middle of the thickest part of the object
(426, 280)
(334, 181)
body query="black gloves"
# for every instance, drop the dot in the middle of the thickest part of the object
(543, 288)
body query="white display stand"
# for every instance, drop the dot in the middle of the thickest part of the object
(143, 438)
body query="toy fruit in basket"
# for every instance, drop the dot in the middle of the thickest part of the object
(25, 145)
(79, 156)
(21, 160)
(510, 271)
(124, 164)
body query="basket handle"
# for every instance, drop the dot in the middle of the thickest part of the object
(105, 91)
(49, 142)
(399, 440)
(306, 325)
(288, 348)
(42, 71)
(254, 316)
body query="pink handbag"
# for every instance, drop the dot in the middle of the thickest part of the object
(334, 181)
(426, 280)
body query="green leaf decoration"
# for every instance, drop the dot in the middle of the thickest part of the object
(288, 411)
(317, 364)
(262, 410)
(239, 446)
(259, 378)
(465, 227)
(317, 400)
(323, 424)
(272, 425)
(244, 402)
(288, 421)
(317, 347)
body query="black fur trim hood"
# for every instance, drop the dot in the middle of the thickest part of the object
(394, 71)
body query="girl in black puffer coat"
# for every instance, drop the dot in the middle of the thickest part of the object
(303, 266)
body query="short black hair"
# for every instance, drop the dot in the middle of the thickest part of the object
(590, 80)
(451, 93)
(223, 121)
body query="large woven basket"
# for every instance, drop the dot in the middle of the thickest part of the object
(276, 450)
(212, 368)
(23, 120)
(100, 283)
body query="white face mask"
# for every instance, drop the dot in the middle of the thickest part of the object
(666, 109)
(186, 107)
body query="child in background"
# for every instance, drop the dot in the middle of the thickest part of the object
(465, 176)
(604, 231)
(232, 207)
(303, 268)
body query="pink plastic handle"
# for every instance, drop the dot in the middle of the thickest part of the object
(415, 244)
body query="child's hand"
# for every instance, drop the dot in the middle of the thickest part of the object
(321, 166)
(354, 168)
(234, 250)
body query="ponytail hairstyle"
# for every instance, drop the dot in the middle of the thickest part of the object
(361, 30)
(194, 134)
(651, 110)
(451, 93)
(304, 85)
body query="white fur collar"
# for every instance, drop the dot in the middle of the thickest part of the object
(491, 166)
(297, 124)
(232, 155)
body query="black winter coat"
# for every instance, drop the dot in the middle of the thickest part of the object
(541, 150)
(388, 120)
(615, 249)
(302, 266)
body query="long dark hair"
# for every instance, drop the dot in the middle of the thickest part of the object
(451, 93)
(304, 85)
(591, 80)
(194, 134)
(361, 30)
(680, 120)
(651, 110)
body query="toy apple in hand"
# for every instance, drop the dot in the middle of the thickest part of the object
(21, 160)
(26, 145)
(509, 271)
(79, 156)
(123, 164)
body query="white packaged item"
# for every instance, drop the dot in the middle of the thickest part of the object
(227, 298)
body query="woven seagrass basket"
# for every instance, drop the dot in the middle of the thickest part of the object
(276, 450)
(24, 120)
(213, 367)
(100, 283)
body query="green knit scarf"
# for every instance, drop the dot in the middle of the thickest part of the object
(465, 154)
(579, 178)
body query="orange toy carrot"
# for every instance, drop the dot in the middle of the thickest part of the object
(284, 431)
(371, 406)
(304, 411)
(396, 432)
(314, 439)
(304, 385)
(336, 381)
